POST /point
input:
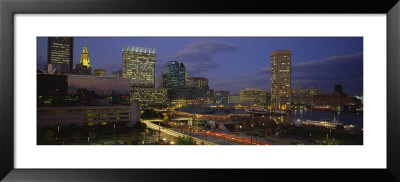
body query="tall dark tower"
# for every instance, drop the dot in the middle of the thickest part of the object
(338, 89)
(59, 52)
(175, 75)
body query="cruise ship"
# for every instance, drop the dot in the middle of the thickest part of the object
(323, 123)
(261, 111)
(331, 124)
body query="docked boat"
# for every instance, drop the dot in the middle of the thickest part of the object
(266, 112)
(332, 124)
(349, 127)
(326, 108)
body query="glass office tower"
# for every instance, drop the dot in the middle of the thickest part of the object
(175, 75)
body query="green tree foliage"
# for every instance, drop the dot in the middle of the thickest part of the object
(185, 141)
(149, 113)
(48, 136)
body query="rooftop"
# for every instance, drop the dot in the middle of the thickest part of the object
(139, 49)
(197, 78)
(281, 52)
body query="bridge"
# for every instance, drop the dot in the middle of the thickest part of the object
(189, 120)
(173, 133)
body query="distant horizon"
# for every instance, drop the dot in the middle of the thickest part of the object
(236, 63)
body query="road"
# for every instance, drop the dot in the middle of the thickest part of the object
(172, 132)
(209, 136)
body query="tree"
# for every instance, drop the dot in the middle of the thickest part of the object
(185, 141)
(48, 136)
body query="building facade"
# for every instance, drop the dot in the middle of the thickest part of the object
(60, 52)
(198, 83)
(139, 65)
(57, 68)
(336, 101)
(51, 84)
(303, 97)
(234, 99)
(149, 96)
(105, 85)
(281, 83)
(77, 90)
(79, 115)
(160, 81)
(253, 96)
(221, 97)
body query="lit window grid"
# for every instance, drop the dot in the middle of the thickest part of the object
(253, 96)
(149, 95)
(280, 80)
(139, 67)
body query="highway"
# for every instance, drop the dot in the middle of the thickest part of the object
(217, 138)
(173, 133)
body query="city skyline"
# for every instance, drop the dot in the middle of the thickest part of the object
(187, 107)
(235, 63)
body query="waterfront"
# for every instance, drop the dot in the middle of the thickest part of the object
(143, 100)
(347, 118)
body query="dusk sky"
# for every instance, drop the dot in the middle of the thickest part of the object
(233, 63)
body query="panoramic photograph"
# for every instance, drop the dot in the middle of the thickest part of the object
(199, 91)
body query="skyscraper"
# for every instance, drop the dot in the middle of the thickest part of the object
(175, 75)
(338, 89)
(281, 80)
(175, 78)
(59, 53)
(139, 64)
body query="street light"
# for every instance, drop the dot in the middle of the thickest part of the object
(58, 132)
(114, 135)
(159, 131)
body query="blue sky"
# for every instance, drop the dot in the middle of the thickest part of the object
(233, 63)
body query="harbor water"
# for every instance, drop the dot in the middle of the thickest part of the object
(347, 118)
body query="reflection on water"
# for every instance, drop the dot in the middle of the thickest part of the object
(344, 117)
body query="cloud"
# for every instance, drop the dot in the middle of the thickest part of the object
(346, 70)
(198, 56)
(265, 71)
(237, 84)
(346, 67)
(110, 67)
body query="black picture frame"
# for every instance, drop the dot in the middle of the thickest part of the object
(9, 8)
